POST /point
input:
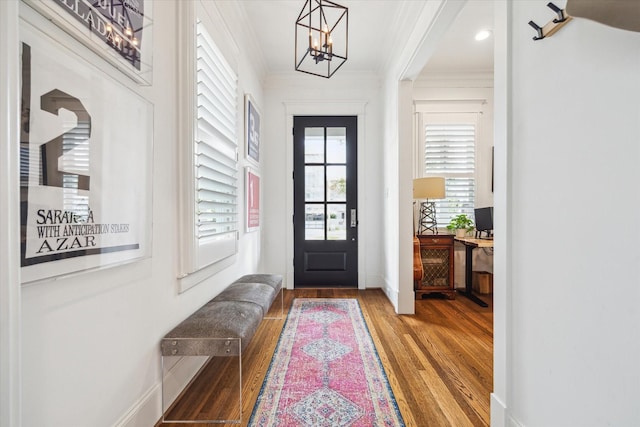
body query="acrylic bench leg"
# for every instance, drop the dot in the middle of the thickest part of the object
(276, 311)
(177, 377)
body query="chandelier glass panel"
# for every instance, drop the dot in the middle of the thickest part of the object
(322, 35)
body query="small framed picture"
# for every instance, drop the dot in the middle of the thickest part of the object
(252, 129)
(252, 184)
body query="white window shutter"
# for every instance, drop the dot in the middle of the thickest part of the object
(450, 152)
(215, 150)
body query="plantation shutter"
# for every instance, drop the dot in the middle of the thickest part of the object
(450, 153)
(215, 151)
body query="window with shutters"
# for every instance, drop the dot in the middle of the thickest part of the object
(210, 215)
(449, 151)
(216, 149)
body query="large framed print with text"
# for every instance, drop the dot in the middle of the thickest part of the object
(120, 31)
(85, 162)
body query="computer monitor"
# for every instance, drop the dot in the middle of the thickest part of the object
(484, 221)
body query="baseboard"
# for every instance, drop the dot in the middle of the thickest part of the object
(148, 409)
(500, 417)
(391, 293)
(145, 412)
(498, 412)
(512, 422)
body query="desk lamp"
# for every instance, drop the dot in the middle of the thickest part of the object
(428, 189)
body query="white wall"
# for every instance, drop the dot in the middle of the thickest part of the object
(343, 94)
(575, 284)
(91, 342)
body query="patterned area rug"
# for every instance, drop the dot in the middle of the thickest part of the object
(325, 371)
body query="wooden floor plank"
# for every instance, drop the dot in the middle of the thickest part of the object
(439, 361)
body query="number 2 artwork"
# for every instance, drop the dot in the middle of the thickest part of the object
(84, 164)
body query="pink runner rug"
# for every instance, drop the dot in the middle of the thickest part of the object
(325, 371)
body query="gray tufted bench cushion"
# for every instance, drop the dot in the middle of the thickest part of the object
(273, 280)
(257, 293)
(234, 314)
(207, 331)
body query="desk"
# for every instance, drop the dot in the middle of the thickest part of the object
(469, 245)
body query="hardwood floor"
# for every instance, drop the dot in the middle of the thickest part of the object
(439, 361)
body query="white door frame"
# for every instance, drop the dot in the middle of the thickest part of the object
(10, 341)
(325, 108)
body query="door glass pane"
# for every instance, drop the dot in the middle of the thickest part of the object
(314, 145)
(336, 145)
(336, 183)
(314, 183)
(337, 224)
(314, 222)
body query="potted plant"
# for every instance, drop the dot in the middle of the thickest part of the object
(462, 224)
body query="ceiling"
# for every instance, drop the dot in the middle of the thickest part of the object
(372, 34)
(458, 51)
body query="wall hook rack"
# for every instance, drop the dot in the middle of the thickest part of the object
(552, 26)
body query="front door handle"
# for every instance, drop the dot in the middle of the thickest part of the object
(354, 220)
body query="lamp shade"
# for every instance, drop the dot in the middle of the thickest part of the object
(428, 188)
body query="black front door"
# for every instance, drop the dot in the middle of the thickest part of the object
(325, 201)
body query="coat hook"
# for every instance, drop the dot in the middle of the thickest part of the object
(560, 12)
(540, 36)
(552, 26)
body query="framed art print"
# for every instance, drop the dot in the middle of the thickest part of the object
(252, 183)
(120, 31)
(86, 146)
(252, 129)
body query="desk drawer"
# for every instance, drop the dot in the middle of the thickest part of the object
(436, 240)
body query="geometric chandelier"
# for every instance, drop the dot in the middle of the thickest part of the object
(322, 38)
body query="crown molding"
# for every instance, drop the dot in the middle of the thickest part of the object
(292, 79)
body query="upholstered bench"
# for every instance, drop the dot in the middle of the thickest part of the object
(225, 325)
(273, 280)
